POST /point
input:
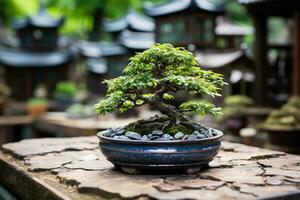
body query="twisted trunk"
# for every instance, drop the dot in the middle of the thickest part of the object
(173, 119)
(171, 111)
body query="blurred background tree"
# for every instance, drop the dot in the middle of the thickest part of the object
(238, 14)
(12, 9)
(84, 16)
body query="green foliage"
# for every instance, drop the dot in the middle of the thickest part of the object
(37, 101)
(11, 9)
(235, 105)
(4, 90)
(167, 96)
(200, 107)
(178, 128)
(150, 75)
(238, 100)
(237, 12)
(288, 117)
(79, 111)
(66, 89)
(79, 13)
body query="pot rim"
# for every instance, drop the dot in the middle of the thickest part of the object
(217, 137)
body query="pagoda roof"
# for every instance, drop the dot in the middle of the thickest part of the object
(97, 65)
(175, 6)
(253, 1)
(225, 27)
(41, 19)
(137, 40)
(14, 58)
(220, 59)
(98, 49)
(132, 20)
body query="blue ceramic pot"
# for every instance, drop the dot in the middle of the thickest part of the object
(177, 154)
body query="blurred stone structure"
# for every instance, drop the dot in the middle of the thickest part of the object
(202, 27)
(184, 22)
(131, 33)
(275, 82)
(38, 59)
(103, 60)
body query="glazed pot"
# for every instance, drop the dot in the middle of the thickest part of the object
(284, 138)
(179, 154)
(62, 103)
(36, 110)
(235, 123)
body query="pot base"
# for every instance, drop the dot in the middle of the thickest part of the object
(161, 169)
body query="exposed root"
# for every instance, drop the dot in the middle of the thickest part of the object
(145, 126)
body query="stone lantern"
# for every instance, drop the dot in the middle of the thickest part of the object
(38, 59)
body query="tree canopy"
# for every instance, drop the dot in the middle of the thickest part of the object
(80, 13)
(154, 75)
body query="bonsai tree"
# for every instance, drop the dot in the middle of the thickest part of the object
(65, 89)
(152, 77)
(285, 118)
(238, 100)
(4, 91)
(37, 101)
(37, 106)
(235, 105)
(78, 111)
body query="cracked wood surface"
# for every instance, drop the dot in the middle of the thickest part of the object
(74, 168)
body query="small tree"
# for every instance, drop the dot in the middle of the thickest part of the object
(152, 77)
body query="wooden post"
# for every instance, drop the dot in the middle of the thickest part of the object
(261, 63)
(296, 55)
(157, 30)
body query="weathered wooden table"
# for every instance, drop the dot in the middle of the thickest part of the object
(74, 168)
(16, 122)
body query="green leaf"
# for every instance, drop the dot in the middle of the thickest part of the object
(168, 96)
(139, 102)
(200, 107)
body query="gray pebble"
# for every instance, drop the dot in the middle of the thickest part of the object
(113, 134)
(191, 137)
(205, 132)
(178, 135)
(199, 135)
(201, 129)
(157, 132)
(145, 138)
(154, 137)
(197, 127)
(116, 137)
(185, 137)
(133, 135)
(123, 137)
(211, 132)
(120, 132)
(106, 133)
(168, 136)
